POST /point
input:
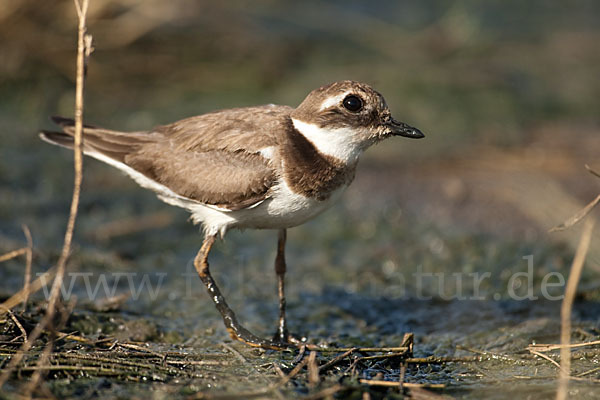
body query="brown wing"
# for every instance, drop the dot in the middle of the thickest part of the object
(231, 180)
(212, 158)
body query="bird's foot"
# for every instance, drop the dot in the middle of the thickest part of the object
(284, 337)
(250, 339)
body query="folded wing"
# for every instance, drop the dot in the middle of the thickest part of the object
(215, 159)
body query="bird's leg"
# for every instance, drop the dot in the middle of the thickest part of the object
(282, 334)
(232, 325)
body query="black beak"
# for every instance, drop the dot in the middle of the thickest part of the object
(398, 128)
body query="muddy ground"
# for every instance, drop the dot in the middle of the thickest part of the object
(445, 238)
(362, 275)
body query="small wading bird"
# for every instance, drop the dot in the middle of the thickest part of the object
(265, 167)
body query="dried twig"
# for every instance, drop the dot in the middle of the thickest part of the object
(581, 214)
(549, 347)
(12, 254)
(441, 360)
(295, 371)
(565, 310)
(335, 360)
(137, 348)
(82, 53)
(243, 359)
(545, 357)
(408, 340)
(404, 384)
(22, 294)
(591, 171)
(359, 349)
(29, 255)
(313, 369)
(17, 324)
(44, 358)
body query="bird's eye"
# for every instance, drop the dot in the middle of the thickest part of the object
(353, 103)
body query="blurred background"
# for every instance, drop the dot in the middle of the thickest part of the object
(507, 93)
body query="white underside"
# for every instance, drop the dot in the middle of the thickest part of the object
(283, 209)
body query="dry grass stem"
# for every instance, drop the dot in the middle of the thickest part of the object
(243, 359)
(549, 347)
(565, 311)
(545, 357)
(359, 349)
(44, 358)
(13, 254)
(583, 212)
(43, 361)
(22, 294)
(17, 324)
(313, 369)
(82, 8)
(334, 361)
(28, 265)
(441, 360)
(374, 382)
(295, 371)
(577, 217)
(591, 171)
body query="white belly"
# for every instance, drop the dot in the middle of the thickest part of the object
(284, 209)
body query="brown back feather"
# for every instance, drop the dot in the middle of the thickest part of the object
(212, 158)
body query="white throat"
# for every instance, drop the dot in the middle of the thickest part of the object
(341, 143)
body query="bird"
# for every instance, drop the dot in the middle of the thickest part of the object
(262, 167)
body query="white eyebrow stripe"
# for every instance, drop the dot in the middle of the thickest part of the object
(333, 101)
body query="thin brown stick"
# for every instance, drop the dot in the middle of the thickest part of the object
(78, 166)
(278, 369)
(545, 357)
(565, 310)
(295, 371)
(260, 394)
(408, 340)
(17, 324)
(258, 373)
(138, 348)
(335, 360)
(549, 347)
(442, 360)
(37, 374)
(581, 214)
(358, 349)
(44, 358)
(402, 376)
(29, 261)
(18, 297)
(313, 370)
(404, 384)
(12, 254)
(588, 372)
(591, 171)
(382, 356)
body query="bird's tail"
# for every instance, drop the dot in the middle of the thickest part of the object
(97, 141)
